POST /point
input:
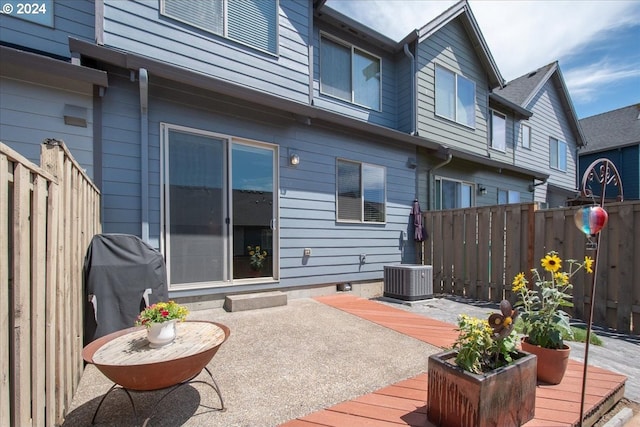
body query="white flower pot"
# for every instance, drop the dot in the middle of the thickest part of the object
(161, 334)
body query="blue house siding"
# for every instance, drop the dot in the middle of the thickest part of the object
(30, 113)
(139, 27)
(306, 192)
(549, 120)
(451, 48)
(627, 162)
(73, 18)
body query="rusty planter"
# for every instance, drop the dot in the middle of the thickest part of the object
(503, 397)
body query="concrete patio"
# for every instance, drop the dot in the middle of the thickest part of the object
(280, 364)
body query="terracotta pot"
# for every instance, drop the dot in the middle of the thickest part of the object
(161, 334)
(552, 363)
(503, 397)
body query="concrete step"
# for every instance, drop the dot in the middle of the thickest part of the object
(242, 302)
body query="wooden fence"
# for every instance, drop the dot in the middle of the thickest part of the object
(476, 252)
(48, 215)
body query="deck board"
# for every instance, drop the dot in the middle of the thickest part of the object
(404, 403)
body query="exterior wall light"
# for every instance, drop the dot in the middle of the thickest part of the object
(294, 159)
(482, 190)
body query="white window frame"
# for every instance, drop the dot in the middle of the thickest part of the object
(353, 48)
(225, 26)
(456, 100)
(556, 153)
(526, 141)
(511, 196)
(498, 145)
(362, 219)
(469, 185)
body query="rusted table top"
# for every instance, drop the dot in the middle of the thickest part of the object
(130, 349)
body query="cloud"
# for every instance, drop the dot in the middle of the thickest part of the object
(587, 83)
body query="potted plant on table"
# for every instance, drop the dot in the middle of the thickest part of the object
(484, 379)
(545, 323)
(160, 320)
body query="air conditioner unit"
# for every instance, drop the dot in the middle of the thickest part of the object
(408, 282)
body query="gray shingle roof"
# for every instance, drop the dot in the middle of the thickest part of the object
(519, 90)
(615, 128)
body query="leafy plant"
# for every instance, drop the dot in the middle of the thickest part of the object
(257, 256)
(544, 320)
(484, 345)
(161, 312)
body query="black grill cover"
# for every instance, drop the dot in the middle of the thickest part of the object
(118, 269)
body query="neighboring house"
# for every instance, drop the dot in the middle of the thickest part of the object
(614, 135)
(284, 125)
(548, 140)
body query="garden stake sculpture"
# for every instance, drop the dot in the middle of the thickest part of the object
(590, 220)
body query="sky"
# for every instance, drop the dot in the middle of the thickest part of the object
(596, 43)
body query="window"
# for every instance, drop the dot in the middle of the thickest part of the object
(557, 154)
(526, 137)
(349, 73)
(251, 22)
(508, 196)
(498, 131)
(455, 97)
(453, 194)
(361, 192)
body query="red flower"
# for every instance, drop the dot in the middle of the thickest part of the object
(164, 313)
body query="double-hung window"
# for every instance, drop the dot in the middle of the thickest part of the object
(349, 73)
(455, 97)
(361, 192)
(452, 194)
(557, 154)
(250, 22)
(526, 136)
(498, 131)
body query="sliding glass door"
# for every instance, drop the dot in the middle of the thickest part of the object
(219, 208)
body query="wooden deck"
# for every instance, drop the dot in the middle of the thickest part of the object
(404, 403)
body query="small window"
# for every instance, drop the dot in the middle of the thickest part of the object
(349, 73)
(508, 196)
(361, 192)
(453, 194)
(557, 154)
(498, 131)
(526, 137)
(455, 97)
(250, 22)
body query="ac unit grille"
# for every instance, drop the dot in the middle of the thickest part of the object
(408, 282)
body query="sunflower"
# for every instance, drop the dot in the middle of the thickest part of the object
(561, 277)
(588, 264)
(551, 262)
(518, 282)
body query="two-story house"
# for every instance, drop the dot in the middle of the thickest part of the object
(549, 139)
(284, 125)
(614, 135)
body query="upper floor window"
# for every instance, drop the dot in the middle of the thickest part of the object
(361, 192)
(453, 194)
(557, 154)
(498, 131)
(526, 136)
(251, 22)
(349, 73)
(455, 97)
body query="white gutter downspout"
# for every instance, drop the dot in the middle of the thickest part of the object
(144, 153)
(430, 177)
(414, 99)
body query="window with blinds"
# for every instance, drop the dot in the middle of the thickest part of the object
(361, 192)
(250, 22)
